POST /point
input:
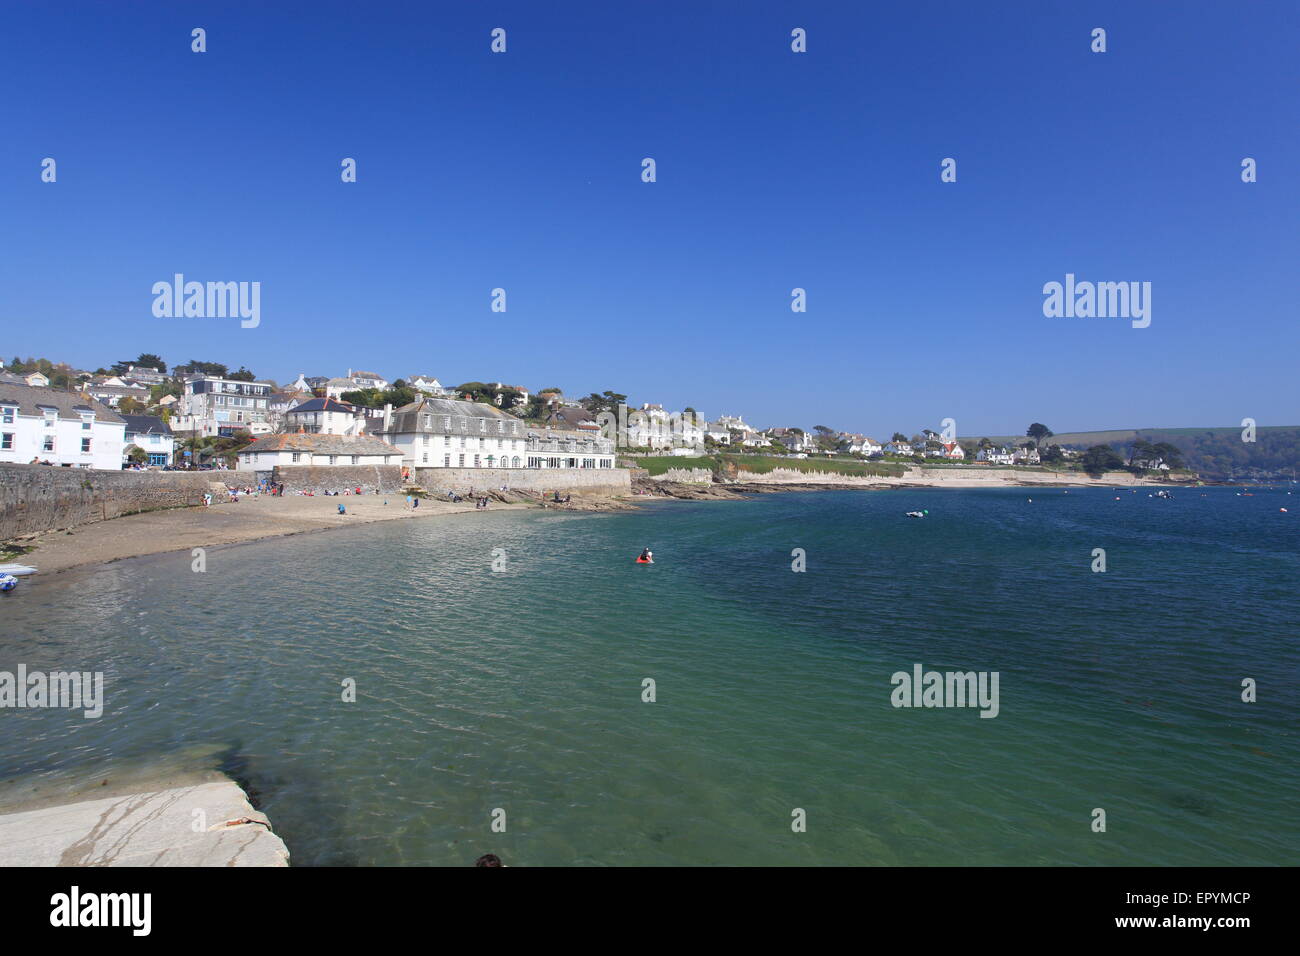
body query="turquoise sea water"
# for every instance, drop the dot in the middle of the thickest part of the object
(522, 690)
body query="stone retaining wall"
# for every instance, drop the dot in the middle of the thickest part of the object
(604, 481)
(36, 498)
(385, 479)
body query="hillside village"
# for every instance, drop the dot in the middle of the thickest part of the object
(142, 415)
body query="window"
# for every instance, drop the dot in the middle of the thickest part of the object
(501, 427)
(482, 424)
(476, 462)
(461, 462)
(85, 446)
(446, 441)
(334, 459)
(446, 461)
(7, 414)
(356, 458)
(446, 421)
(296, 457)
(7, 441)
(48, 443)
(85, 424)
(426, 439)
(426, 458)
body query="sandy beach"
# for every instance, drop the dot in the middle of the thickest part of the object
(180, 529)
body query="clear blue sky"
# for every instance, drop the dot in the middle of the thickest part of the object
(775, 170)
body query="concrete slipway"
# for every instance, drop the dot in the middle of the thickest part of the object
(142, 816)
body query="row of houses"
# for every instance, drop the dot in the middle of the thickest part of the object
(427, 433)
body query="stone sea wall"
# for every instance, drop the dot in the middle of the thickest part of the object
(603, 481)
(36, 498)
(385, 479)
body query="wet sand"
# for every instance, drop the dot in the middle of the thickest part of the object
(180, 529)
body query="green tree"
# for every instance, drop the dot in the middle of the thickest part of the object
(1038, 431)
(1100, 458)
(605, 401)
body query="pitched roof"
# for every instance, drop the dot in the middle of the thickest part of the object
(572, 417)
(407, 418)
(323, 444)
(69, 404)
(324, 405)
(146, 425)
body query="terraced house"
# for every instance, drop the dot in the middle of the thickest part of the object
(447, 433)
(560, 448)
(59, 427)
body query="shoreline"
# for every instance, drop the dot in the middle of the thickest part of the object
(173, 530)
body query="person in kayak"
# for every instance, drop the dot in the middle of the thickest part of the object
(647, 556)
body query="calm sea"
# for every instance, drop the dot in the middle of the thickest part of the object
(521, 690)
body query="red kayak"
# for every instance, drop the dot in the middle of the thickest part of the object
(643, 561)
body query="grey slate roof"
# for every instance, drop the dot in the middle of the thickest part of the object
(145, 425)
(69, 404)
(409, 419)
(324, 405)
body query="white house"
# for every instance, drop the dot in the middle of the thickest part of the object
(653, 427)
(1026, 456)
(354, 381)
(719, 432)
(111, 390)
(61, 427)
(995, 455)
(301, 450)
(325, 416)
(447, 433)
(427, 384)
(557, 448)
(151, 435)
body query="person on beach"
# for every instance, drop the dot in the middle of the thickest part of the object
(342, 510)
(415, 502)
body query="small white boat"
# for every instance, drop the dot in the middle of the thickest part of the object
(8, 582)
(18, 570)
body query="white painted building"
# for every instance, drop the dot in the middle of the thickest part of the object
(330, 451)
(326, 416)
(58, 426)
(152, 436)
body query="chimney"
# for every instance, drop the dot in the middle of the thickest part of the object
(388, 416)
